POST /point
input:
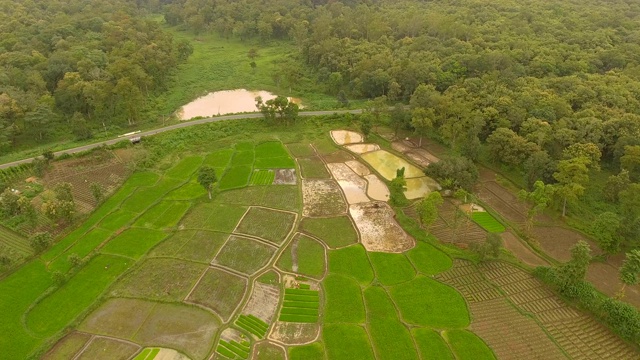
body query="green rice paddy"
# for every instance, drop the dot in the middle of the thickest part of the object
(262, 177)
(487, 221)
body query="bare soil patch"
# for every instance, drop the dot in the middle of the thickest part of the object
(263, 302)
(377, 190)
(521, 251)
(378, 229)
(102, 348)
(337, 156)
(220, 291)
(353, 186)
(68, 346)
(362, 148)
(285, 177)
(293, 282)
(118, 317)
(502, 201)
(402, 146)
(358, 167)
(557, 241)
(233, 335)
(343, 137)
(322, 198)
(169, 354)
(294, 333)
(605, 277)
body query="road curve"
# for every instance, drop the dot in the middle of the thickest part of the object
(173, 127)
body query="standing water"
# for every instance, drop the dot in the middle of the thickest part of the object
(225, 102)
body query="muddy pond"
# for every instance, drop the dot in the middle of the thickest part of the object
(226, 102)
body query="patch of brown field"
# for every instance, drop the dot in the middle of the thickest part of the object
(294, 333)
(452, 226)
(118, 317)
(337, 156)
(376, 189)
(557, 241)
(230, 334)
(68, 346)
(313, 168)
(263, 302)
(521, 251)
(285, 177)
(499, 296)
(502, 201)
(362, 148)
(322, 198)
(102, 348)
(378, 228)
(169, 354)
(605, 277)
(293, 282)
(358, 167)
(343, 137)
(267, 350)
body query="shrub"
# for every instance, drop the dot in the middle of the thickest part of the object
(40, 241)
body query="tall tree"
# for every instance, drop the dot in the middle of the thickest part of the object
(630, 271)
(539, 198)
(207, 177)
(572, 176)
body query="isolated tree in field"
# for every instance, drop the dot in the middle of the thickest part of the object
(97, 190)
(207, 177)
(572, 272)
(365, 125)
(572, 176)
(630, 271)
(490, 248)
(540, 198)
(428, 208)
(606, 229)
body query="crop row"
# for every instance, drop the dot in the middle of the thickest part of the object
(262, 177)
(300, 305)
(233, 349)
(253, 325)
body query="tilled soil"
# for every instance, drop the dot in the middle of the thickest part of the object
(263, 302)
(379, 231)
(322, 198)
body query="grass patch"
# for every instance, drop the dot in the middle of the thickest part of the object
(235, 177)
(468, 346)
(160, 279)
(220, 291)
(117, 220)
(189, 191)
(270, 149)
(429, 260)
(213, 216)
(163, 215)
(343, 300)
(195, 245)
(426, 302)
(83, 247)
(262, 177)
(59, 308)
(351, 261)
(244, 255)
(144, 178)
(391, 269)
(325, 145)
(253, 325)
(274, 163)
(143, 355)
(267, 224)
(281, 197)
(314, 351)
(68, 346)
(431, 345)
(100, 346)
(133, 242)
(487, 221)
(143, 198)
(185, 168)
(300, 150)
(336, 231)
(389, 337)
(267, 351)
(219, 158)
(313, 168)
(347, 342)
(270, 277)
(242, 158)
(310, 257)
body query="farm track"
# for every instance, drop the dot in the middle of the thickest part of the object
(520, 318)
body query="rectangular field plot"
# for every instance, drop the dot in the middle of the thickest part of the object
(300, 150)
(195, 245)
(117, 220)
(253, 325)
(213, 216)
(244, 255)
(185, 168)
(134, 242)
(242, 158)
(275, 163)
(163, 215)
(14, 241)
(235, 177)
(271, 225)
(220, 291)
(233, 349)
(277, 197)
(300, 305)
(304, 254)
(189, 191)
(219, 159)
(273, 155)
(82, 248)
(101, 348)
(487, 221)
(313, 168)
(262, 177)
(347, 342)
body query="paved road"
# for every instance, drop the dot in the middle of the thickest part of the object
(176, 126)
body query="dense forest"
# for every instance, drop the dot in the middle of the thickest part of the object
(548, 91)
(77, 66)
